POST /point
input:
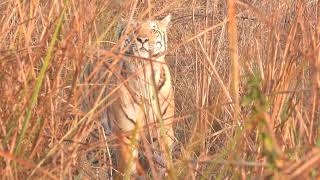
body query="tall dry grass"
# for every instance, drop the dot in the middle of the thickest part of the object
(47, 46)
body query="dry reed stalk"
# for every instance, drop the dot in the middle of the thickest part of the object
(277, 40)
(233, 45)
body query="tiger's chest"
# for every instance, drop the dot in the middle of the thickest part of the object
(142, 77)
(143, 83)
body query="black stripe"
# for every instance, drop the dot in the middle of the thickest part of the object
(163, 38)
(167, 99)
(165, 110)
(126, 115)
(164, 81)
(164, 41)
(120, 33)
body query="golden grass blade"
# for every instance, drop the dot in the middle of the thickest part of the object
(233, 47)
(39, 81)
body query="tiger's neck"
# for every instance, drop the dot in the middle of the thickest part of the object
(143, 67)
(142, 70)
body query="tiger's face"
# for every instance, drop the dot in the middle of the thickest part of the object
(147, 38)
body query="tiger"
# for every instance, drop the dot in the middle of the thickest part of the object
(144, 102)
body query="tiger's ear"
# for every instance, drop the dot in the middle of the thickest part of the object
(166, 20)
(122, 21)
(120, 27)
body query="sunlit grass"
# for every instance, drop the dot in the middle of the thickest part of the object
(246, 88)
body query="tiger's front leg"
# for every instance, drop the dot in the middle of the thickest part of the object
(128, 119)
(128, 156)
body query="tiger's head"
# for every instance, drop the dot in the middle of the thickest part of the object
(146, 38)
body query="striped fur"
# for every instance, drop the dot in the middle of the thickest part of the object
(134, 110)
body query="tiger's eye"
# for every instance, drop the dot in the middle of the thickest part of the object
(127, 41)
(153, 31)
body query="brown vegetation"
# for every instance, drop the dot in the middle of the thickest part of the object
(274, 61)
